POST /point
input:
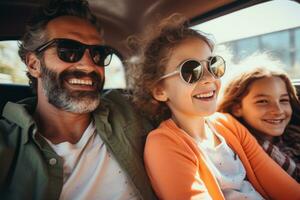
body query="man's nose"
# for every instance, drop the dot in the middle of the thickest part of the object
(87, 64)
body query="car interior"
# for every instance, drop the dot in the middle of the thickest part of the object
(119, 19)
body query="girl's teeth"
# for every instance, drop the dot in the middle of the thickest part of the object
(205, 95)
(274, 121)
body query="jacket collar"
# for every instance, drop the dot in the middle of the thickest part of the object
(102, 122)
(21, 114)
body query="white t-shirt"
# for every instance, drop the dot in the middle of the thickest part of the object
(228, 170)
(91, 171)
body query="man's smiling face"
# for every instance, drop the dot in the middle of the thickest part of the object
(73, 87)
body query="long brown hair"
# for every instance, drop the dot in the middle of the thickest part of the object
(239, 84)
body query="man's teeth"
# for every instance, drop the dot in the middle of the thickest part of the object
(205, 95)
(75, 81)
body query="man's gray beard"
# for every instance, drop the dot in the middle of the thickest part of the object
(62, 98)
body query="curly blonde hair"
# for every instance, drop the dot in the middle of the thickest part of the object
(154, 51)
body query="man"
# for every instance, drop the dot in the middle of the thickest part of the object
(67, 143)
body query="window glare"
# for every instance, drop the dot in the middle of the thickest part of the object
(115, 74)
(12, 69)
(272, 27)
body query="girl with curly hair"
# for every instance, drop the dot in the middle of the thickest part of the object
(196, 153)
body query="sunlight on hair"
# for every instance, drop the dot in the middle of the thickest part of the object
(251, 63)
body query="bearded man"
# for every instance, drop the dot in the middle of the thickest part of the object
(68, 143)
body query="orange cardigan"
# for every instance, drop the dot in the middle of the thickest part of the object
(177, 169)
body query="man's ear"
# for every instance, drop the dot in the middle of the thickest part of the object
(237, 110)
(33, 65)
(159, 93)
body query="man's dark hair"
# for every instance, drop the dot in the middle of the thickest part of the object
(35, 33)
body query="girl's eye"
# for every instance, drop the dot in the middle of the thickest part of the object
(263, 101)
(285, 100)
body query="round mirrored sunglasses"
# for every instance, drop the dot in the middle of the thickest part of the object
(191, 70)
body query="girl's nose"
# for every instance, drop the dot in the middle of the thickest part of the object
(207, 77)
(276, 108)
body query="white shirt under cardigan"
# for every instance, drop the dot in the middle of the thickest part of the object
(91, 171)
(228, 170)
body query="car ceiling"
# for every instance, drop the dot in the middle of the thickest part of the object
(121, 18)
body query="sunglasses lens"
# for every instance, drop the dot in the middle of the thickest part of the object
(101, 55)
(217, 66)
(69, 51)
(191, 71)
(72, 51)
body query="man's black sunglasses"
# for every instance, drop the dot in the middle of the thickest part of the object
(72, 51)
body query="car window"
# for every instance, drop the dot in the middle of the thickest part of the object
(272, 27)
(13, 70)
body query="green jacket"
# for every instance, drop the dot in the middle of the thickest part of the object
(30, 169)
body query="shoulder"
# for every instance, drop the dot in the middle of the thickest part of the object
(16, 116)
(17, 123)
(293, 131)
(291, 138)
(7, 129)
(117, 109)
(167, 130)
(169, 138)
(163, 134)
(10, 138)
(115, 102)
(6, 125)
(118, 101)
(116, 96)
(227, 125)
(225, 120)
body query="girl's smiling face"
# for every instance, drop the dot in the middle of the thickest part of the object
(266, 107)
(189, 100)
